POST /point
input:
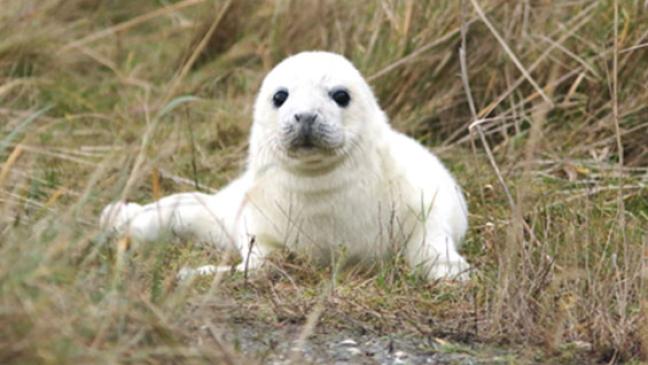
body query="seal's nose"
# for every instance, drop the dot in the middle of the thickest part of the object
(305, 118)
(305, 122)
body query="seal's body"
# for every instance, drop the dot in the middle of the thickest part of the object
(327, 178)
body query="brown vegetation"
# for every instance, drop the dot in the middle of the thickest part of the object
(544, 121)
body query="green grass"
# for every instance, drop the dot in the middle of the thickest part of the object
(565, 265)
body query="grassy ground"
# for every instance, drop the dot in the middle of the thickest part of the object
(101, 100)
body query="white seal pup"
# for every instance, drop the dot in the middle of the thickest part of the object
(326, 178)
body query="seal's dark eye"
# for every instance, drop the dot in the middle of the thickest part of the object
(279, 98)
(341, 97)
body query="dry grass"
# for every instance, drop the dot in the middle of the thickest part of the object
(94, 106)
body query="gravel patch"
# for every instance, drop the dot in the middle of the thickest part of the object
(277, 346)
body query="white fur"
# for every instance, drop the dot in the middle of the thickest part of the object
(378, 193)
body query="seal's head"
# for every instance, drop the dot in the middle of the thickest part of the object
(312, 109)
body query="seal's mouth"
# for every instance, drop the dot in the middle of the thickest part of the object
(310, 158)
(308, 149)
(311, 152)
(306, 142)
(315, 155)
(313, 138)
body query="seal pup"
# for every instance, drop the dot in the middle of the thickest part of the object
(326, 178)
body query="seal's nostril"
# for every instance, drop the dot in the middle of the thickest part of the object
(307, 118)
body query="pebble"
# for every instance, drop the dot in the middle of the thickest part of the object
(354, 351)
(347, 343)
(401, 355)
